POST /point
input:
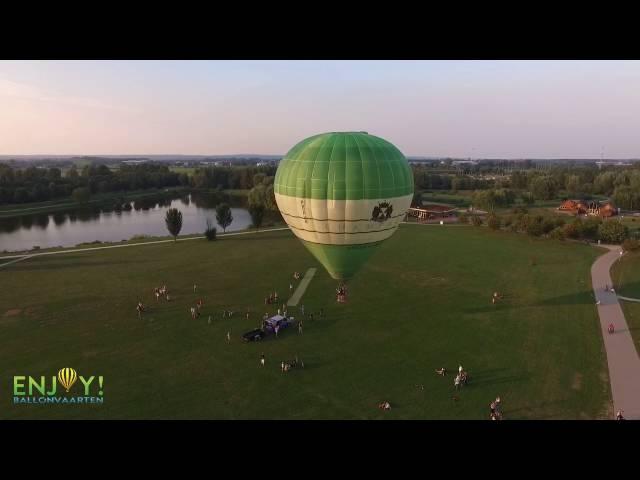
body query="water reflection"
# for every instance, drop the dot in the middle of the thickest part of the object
(117, 221)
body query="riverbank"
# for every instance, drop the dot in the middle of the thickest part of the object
(53, 206)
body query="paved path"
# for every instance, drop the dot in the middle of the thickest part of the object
(302, 287)
(24, 256)
(628, 299)
(623, 360)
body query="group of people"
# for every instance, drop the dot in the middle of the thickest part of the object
(140, 309)
(195, 311)
(271, 299)
(496, 296)
(162, 291)
(462, 378)
(384, 405)
(341, 293)
(495, 408)
(287, 366)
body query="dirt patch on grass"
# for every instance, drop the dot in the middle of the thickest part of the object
(577, 382)
(13, 312)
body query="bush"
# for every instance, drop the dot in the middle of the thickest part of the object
(548, 225)
(534, 229)
(493, 222)
(522, 210)
(211, 231)
(463, 218)
(507, 221)
(572, 230)
(557, 233)
(613, 232)
(476, 221)
(631, 244)
(590, 228)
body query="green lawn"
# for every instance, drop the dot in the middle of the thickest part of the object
(422, 302)
(626, 277)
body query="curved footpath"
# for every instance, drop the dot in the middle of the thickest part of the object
(623, 360)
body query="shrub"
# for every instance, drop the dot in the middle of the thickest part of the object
(631, 244)
(493, 222)
(211, 231)
(476, 220)
(557, 233)
(571, 230)
(463, 218)
(613, 232)
(548, 225)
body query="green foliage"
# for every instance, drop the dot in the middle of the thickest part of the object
(630, 245)
(211, 232)
(223, 215)
(257, 214)
(173, 221)
(493, 222)
(613, 231)
(81, 194)
(558, 233)
(544, 187)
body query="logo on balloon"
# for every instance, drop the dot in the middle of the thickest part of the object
(382, 212)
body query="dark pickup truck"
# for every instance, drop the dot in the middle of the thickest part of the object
(254, 335)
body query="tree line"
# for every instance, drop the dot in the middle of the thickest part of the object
(41, 184)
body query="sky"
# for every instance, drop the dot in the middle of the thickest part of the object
(477, 109)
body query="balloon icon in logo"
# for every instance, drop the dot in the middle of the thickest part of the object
(67, 377)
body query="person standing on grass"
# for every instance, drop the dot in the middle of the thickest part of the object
(290, 288)
(300, 327)
(209, 321)
(302, 308)
(229, 336)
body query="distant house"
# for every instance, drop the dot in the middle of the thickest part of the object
(593, 208)
(432, 212)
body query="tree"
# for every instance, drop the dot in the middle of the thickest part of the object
(613, 232)
(224, 216)
(211, 231)
(257, 214)
(81, 194)
(173, 220)
(544, 188)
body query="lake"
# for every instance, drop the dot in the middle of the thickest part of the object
(83, 225)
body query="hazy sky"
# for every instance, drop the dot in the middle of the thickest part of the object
(513, 109)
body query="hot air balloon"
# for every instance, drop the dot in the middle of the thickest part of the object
(67, 377)
(342, 194)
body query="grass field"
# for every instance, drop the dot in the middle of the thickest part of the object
(626, 278)
(421, 303)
